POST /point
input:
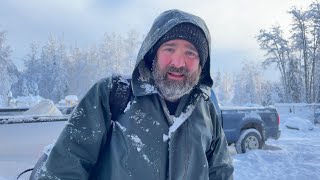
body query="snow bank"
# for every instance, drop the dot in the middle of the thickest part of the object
(304, 110)
(299, 124)
(44, 108)
(294, 155)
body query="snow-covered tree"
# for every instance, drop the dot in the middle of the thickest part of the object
(29, 78)
(50, 70)
(118, 54)
(298, 57)
(223, 87)
(53, 72)
(60, 71)
(313, 15)
(271, 93)
(295, 77)
(112, 54)
(132, 45)
(83, 70)
(8, 71)
(216, 79)
(277, 52)
(301, 44)
(248, 83)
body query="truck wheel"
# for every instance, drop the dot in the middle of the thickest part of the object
(249, 139)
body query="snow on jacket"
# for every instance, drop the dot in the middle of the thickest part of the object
(145, 141)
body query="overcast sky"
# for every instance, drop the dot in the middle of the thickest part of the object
(233, 23)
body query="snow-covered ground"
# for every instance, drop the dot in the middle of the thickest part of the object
(296, 155)
(22, 144)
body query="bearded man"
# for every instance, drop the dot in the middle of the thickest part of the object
(169, 129)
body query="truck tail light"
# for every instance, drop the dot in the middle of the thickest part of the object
(278, 119)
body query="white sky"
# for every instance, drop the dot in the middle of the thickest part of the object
(233, 23)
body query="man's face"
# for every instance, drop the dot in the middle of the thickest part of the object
(176, 68)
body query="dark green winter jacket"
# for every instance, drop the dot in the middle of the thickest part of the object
(143, 143)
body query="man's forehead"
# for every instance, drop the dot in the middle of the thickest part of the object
(177, 42)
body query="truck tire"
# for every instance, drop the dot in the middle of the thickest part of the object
(249, 139)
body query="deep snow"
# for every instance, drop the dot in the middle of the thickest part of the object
(296, 155)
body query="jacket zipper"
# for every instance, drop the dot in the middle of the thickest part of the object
(187, 154)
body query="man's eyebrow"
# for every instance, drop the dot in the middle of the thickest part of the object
(172, 44)
(191, 47)
(169, 44)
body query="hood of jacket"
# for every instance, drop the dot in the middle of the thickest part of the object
(142, 81)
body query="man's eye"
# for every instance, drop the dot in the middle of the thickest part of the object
(169, 49)
(191, 54)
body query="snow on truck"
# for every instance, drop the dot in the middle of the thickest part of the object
(248, 127)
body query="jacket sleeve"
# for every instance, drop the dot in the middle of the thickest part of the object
(219, 160)
(77, 149)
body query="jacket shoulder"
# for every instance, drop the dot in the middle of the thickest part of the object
(111, 80)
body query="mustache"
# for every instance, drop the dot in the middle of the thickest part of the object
(181, 70)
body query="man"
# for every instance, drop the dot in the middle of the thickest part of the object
(169, 129)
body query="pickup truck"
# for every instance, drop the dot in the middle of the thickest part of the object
(248, 127)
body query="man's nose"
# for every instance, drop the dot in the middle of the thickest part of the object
(178, 60)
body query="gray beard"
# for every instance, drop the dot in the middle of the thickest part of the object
(173, 90)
